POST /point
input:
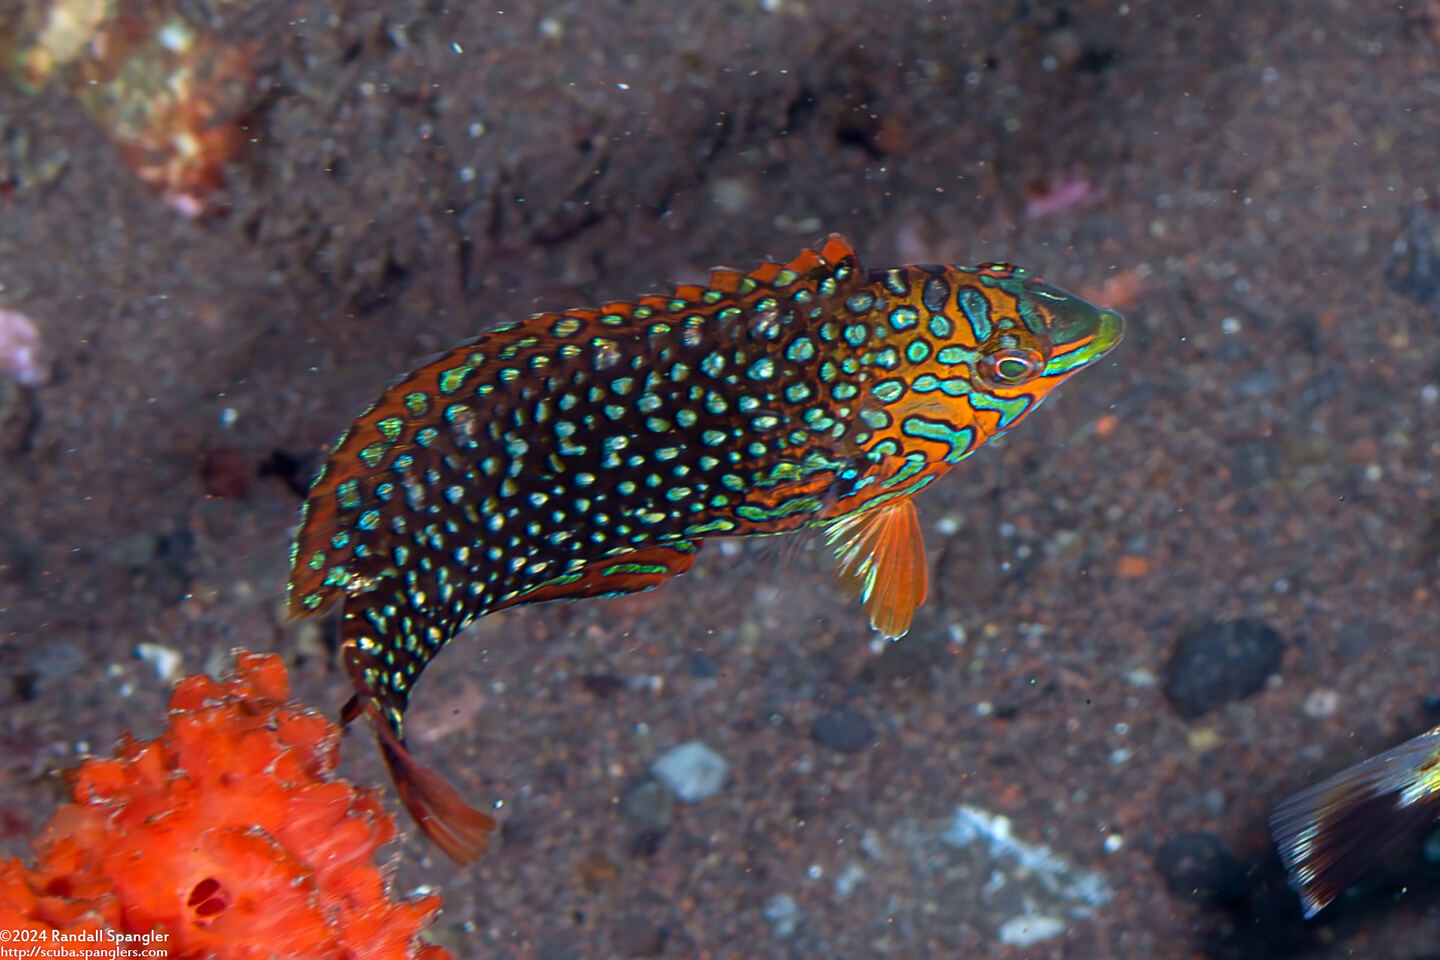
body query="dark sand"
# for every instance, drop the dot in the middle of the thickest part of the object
(1263, 446)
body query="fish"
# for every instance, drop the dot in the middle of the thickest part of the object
(1329, 834)
(591, 452)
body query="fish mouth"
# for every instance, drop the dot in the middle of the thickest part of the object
(1086, 329)
(1110, 330)
(1080, 331)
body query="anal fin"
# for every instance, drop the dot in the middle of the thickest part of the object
(881, 552)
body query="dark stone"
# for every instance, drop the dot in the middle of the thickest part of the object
(603, 686)
(637, 937)
(1255, 462)
(1413, 267)
(1196, 866)
(649, 804)
(844, 729)
(1217, 662)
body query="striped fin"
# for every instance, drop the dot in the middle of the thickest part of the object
(1329, 834)
(882, 562)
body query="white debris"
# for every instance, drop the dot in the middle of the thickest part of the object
(165, 660)
(1057, 875)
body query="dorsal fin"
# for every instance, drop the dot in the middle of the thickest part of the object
(835, 259)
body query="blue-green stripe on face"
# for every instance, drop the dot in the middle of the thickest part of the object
(941, 431)
(1009, 408)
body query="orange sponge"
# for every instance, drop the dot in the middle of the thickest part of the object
(225, 837)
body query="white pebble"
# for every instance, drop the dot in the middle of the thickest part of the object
(1321, 703)
(784, 914)
(692, 770)
(20, 351)
(1023, 931)
(165, 660)
(848, 879)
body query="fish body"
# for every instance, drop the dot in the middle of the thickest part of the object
(591, 452)
(1329, 834)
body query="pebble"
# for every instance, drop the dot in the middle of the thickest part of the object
(850, 877)
(692, 770)
(1413, 268)
(1321, 702)
(21, 355)
(844, 729)
(165, 660)
(784, 915)
(1197, 866)
(649, 804)
(1218, 662)
(638, 937)
(1025, 930)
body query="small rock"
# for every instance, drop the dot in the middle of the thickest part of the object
(1217, 662)
(784, 915)
(1255, 462)
(1413, 267)
(1196, 866)
(1321, 703)
(21, 355)
(692, 770)
(649, 804)
(844, 729)
(165, 660)
(850, 877)
(602, 686)
(637, 937)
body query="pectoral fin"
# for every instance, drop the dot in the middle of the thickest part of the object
(882, 562)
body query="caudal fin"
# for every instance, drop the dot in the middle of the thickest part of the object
(438, 809)
(1328, 835)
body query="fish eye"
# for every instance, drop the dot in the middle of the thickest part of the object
(1011, 367)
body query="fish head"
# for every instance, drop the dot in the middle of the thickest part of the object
(1028, 336)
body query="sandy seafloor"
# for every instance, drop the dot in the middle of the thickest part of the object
(1235, 176)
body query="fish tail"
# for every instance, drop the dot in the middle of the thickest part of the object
(1330, 834)
(437, 807)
